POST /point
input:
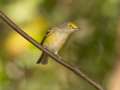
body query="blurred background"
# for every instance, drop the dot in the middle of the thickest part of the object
(95, 49)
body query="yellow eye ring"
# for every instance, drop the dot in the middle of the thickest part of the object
(72, 25)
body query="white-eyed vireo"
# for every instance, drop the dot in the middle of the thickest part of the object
(55, 39)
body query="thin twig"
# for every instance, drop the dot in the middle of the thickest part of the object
(55, 57)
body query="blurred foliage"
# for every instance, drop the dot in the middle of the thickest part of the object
(92, 49)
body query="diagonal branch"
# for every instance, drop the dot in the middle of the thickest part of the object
(55, 57)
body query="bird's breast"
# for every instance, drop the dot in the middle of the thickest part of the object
(55, 41)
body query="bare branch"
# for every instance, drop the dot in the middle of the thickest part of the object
(55, 57)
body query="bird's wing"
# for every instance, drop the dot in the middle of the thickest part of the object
(48, 33)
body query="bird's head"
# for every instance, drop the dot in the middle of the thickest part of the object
(72, 27)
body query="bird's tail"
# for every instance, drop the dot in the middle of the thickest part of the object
(43, 59)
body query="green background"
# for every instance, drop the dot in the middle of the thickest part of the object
(93, 49)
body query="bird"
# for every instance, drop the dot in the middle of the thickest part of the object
(55, 39)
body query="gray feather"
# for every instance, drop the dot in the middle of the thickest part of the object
(43, 59)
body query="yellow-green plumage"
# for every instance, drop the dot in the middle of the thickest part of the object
(54, 40)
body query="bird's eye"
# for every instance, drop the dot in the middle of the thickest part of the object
(72, 25)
